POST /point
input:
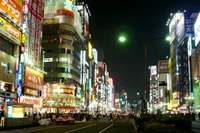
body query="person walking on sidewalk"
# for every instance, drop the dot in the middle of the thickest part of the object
(111, 116)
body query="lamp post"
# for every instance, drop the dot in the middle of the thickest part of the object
(145, 45)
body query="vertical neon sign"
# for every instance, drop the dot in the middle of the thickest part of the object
(19, 80)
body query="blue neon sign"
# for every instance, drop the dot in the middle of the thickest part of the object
(19, 80)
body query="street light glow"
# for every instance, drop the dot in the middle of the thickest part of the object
(168, 38)
(122, 39)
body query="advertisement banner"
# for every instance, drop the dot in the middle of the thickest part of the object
(163, 66)
(180, 29)
(33, 31)
(190, 19)
(172, 25)
(38, 31)
(197, 30)
(10, 31)
(12, 8)
(78, 23)
(33, 78)
(26, 23)
(86, 23)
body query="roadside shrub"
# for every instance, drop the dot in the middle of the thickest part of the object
(154, 127)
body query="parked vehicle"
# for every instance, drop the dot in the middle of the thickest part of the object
(65, 120)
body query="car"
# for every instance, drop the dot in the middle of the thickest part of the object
(65, 120)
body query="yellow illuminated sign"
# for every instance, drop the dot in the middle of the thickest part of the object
(90, 50)
(17, 112)
(23, 38)
(10, 31)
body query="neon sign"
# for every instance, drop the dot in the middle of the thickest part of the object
(19, 80)
(68, 5)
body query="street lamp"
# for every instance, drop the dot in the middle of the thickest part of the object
(145, 45)
(122, 39)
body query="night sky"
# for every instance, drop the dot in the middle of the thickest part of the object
(139, 19)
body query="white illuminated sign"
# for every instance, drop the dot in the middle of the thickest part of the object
(197, 31)
(189, 46)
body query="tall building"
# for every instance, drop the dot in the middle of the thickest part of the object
(181, 29)
(196, 66)
(164, 86)
(154, 93)
(62, 45)
(10, 45)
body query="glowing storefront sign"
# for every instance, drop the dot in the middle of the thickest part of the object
(50, 21)
(17, 112)
(30, 100)
(197, 31)
(90, 50)
(45, 91)
(33, 78)
(12, 8)
(10, 31)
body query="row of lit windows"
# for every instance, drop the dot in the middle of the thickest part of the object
(63, 51)
(57, 31)
(58, 41)
(6, 46)
(62, 70)
(63, 60)
(60, 79)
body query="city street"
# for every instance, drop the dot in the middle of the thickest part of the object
(101, 126)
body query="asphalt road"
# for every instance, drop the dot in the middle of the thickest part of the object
(88, 127)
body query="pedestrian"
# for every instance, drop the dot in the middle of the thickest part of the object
(111, 117)
(118, 118)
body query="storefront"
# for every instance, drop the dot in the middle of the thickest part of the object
(32, 87)
(60, 98)
(36, 102)
(17, 114)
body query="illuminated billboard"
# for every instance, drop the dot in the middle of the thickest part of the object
(32, 12)
(95, 54)
(153, 70)
(85, 13)
(78, 23)
(172, 25)
(59, 7)
(33, 79)
(197, 30)
(180, 29)
(10, 31)
(190, 18)
(163, 66)
(90, 50)
(12, 8)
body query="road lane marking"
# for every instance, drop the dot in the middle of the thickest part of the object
(33, 130)
(79, 128)
(106, 128)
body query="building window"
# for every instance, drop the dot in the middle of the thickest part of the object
(48, 59)
(6, 46)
